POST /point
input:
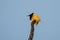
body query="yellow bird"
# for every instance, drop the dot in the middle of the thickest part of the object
(34, 17)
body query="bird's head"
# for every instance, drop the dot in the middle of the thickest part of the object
(31, 15)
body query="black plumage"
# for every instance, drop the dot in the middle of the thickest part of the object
(31, 16)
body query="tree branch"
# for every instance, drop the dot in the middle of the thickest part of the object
(32, 31)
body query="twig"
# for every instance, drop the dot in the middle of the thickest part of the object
(32, 31)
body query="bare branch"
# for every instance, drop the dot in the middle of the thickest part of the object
(32, 31)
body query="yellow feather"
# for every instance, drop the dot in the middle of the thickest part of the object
(36, 18)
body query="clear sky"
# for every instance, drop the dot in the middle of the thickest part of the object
(15, 24)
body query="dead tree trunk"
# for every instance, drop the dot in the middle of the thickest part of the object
(32, 31)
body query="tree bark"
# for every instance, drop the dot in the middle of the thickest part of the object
(31, 31)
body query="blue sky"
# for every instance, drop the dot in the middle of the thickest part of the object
(15, 24)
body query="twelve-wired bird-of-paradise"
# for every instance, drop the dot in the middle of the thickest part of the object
(35, 19)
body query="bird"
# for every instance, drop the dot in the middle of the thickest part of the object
(34, 17)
